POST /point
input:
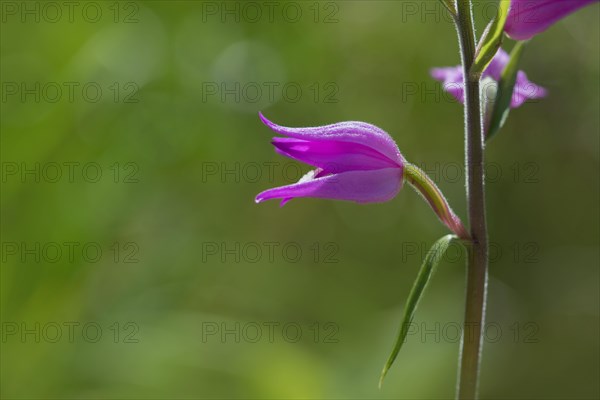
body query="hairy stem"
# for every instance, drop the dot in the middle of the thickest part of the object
(477, 262)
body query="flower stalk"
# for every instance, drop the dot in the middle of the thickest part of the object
(417, 178)
(477, 261)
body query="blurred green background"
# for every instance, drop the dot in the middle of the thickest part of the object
(135, 263)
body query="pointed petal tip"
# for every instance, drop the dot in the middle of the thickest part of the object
(436, 73)
(279, 142)
(265, 120)
(261, 198)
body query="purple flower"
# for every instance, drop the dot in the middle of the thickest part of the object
(353, 161)
(452, 80)
(527, 18)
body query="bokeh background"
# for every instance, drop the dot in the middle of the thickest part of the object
(179, 286)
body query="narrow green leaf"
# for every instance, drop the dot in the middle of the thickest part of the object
(432, 258)
(506, 85)
(491, 40)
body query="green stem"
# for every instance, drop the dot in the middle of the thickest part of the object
(477, 262)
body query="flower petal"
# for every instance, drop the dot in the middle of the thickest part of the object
(374, 186)
(333, 156)
(527, 18)
(452, 78)
(452, 81)
(352, 131)
(525, 90)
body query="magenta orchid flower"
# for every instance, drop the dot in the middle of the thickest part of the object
(527, 18)
(353, 161)
(452, 80)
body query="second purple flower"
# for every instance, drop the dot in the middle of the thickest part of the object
(452, 80)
